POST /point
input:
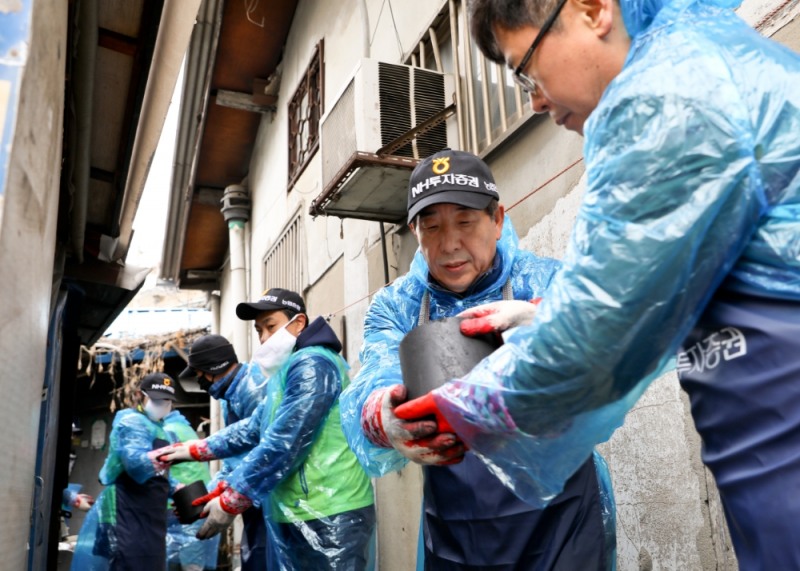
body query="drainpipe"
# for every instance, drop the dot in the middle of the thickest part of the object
(83, 92)
(236, 211)
(365, 47)
(215, 424)
(366, 50)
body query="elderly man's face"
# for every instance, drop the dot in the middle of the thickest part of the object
(457, 242)
(575, 60)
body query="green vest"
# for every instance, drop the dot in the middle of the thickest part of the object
(330, 480)
(186, 472)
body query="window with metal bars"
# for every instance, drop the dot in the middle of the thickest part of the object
(305, 110)
(284, 262)
(489, 103)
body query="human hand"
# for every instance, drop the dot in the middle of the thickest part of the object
(83, 502)
(497, 316)
(216, 492)
(221, 511)
(155, 459)
(191, 450)
(419, 440)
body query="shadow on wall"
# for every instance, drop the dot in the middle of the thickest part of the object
(668, 511)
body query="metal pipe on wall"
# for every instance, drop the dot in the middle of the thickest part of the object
(362, 8)
(236, 210)
(83, 100)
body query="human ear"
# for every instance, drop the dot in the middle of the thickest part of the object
(413, 228)
(597, 14)
(499, 219)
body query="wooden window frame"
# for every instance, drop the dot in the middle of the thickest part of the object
(312, 82)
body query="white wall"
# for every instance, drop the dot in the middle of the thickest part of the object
(667, 514)
(27, 253)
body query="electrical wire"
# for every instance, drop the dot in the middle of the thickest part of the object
(329, 316)
(396, 32)
(378, 21)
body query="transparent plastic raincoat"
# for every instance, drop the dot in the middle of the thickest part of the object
(316, 499)
(693, 200)
(104, 534)
(183, 548)
(394, 312)
(238, 400)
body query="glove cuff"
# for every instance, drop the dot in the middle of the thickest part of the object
(200, 451)
(159, 467)
(372, 421)
(233, 502)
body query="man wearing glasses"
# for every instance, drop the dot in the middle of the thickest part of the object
(687, 242)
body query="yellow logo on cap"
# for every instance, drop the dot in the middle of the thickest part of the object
(441, 166)
(166, 382)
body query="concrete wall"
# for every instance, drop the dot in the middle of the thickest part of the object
(668, 511)
(668, 516)
(28, 241)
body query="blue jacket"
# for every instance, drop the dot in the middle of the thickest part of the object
(238, 401)
(275, 449)
(693, 163)
(395, 311)
(132, 437)
(532, 538)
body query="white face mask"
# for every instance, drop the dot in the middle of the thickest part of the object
(272, 354)
(157, 410)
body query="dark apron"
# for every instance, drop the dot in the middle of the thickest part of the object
(254, 541)
(741, 369)
(472, 521)
(141, 528)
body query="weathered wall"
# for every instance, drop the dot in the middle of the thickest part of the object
(668, 517)
(668, 512)
(27, 242)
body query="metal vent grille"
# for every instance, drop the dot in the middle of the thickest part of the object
(339, 135)
(283, 263)
(394, 96)
(428, 101)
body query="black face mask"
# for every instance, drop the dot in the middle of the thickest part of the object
(204, 383)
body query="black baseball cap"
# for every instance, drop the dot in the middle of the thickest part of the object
(209, 354)
(450, 176)
(272, 299)
(158, 386)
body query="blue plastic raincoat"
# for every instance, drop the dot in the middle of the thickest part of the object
(688, 235)
(183, 548)
(466, 501)
(127, 524)
(238, 399)
(298, 468)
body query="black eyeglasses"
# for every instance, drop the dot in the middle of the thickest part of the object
(524, 80)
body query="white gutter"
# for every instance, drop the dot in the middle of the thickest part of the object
(175, 30)
(200, 60)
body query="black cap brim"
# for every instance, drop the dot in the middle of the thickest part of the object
(160, 395)
(188, 373)
(249, 311)
(476, 200)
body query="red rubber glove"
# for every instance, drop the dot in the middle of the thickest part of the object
(423, 407)
(83, 502)
(221, 487)
(497, 316)
(417, 440)
(221, 510)
(191, 450)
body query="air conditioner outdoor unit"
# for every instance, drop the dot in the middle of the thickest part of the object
(380, 103)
